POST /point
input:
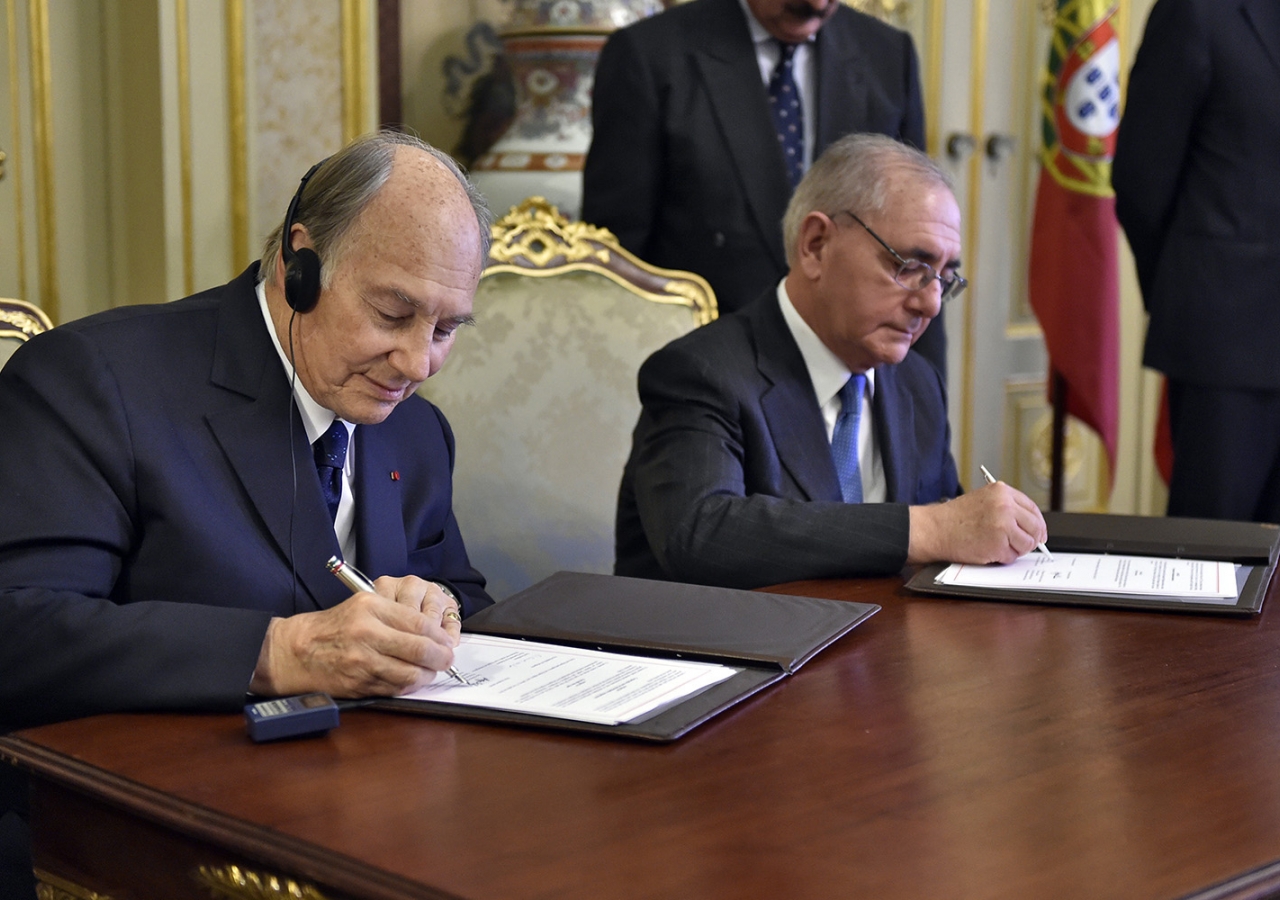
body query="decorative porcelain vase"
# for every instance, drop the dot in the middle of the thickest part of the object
(551, 47)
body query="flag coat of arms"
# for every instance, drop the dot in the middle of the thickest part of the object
(1074, 276)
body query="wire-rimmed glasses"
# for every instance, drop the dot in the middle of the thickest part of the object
(913, 274)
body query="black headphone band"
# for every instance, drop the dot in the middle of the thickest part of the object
(301, 267)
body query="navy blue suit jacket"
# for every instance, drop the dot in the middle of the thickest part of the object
(152, 519)
(731, 480)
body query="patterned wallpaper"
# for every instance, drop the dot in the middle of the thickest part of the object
(295, 57)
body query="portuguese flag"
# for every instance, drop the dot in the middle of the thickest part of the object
(1074, 278)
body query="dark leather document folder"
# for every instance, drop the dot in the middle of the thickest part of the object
(767, 636)
(1253, 546)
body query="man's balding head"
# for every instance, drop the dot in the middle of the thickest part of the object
(402, 237)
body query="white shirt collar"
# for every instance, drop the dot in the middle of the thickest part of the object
(827, 372)
(315, 418)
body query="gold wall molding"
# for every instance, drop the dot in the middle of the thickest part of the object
(42, 129)
(355, 62)
(933, 79)
(184, 146)
(977, 126)
(238, 136)
(15, 124)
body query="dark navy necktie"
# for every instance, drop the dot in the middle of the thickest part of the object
(330, 452)
(788, 116)
(844, 440)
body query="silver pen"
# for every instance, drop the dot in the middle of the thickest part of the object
(991, 479)
(356, 580)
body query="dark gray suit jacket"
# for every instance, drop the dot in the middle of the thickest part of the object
(1197, 180)
(151, 526)
(684, 165)
(731, 481)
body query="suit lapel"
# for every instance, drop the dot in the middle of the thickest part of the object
(380, 530)
(1264, 16)
(789, 406)
(895, 426)
(840, 86)
(726, 59)
(253, 436)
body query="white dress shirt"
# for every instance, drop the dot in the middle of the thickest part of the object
(316, 420)
(828, 375)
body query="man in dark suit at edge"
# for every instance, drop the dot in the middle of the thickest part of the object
(161, 547)
(686, 165)
(798, 438)
(1197, 181)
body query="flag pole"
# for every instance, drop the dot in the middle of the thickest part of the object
(1058, 391)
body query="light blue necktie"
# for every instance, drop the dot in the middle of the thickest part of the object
(788, 115)
(844, 440)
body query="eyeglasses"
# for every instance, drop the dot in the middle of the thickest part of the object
(913, 274)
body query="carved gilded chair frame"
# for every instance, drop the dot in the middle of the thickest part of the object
(21, 320)
(534, 239)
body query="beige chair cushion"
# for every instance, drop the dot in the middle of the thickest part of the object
(541, 394)
(7, 347)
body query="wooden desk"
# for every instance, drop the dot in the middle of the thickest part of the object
(943, 749)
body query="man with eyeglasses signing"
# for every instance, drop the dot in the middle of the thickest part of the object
(801, 437)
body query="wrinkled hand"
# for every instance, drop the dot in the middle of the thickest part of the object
(996, 523)
(425, 596)
(370, 645)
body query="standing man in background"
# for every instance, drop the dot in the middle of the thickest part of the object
(1197, 182)
(706, 117)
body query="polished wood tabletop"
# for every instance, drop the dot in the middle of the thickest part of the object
(944, 748)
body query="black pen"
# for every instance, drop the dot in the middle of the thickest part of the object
(356, 581)
(991, 479)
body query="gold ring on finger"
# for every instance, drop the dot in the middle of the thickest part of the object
(452, 614)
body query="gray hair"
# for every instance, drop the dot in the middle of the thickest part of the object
(851, 174)
(343, 186)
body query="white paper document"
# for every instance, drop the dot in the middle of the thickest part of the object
(567, 682)
(1187, 580)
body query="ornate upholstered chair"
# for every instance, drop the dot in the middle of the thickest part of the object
(541, 394)
(19, 321)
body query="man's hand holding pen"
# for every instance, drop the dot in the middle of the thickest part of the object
(994, 524)
(374, 644)
(427, 597)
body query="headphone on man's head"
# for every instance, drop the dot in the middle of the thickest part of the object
(302, 266)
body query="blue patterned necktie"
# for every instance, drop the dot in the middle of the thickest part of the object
(788, 116)
(844, 440)
(330, 451)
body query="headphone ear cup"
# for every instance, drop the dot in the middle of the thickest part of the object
(302, 280)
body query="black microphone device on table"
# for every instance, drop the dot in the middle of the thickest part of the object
(288, 717)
